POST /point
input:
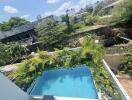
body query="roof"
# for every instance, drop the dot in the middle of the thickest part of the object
(18, 30)
(24, 28)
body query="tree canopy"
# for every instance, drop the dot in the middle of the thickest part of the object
(66, 18)
(13, 22)
(49, 31)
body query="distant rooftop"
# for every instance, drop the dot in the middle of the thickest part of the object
(24, 28)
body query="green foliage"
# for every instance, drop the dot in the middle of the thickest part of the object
(16, 50)
(122, 12)
(28, 71)
(79, 25)
(67, 58)
(12, 23)
(89, 19)
(50, 31)
(69, 23)
(103, 20)
(127, 64)
(4, 54)
(91, 48)
(10, 52)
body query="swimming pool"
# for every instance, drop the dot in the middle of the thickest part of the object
(76, 82)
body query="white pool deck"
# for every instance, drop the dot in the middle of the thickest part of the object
(61, 98)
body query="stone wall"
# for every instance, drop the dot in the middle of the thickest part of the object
(119, 49)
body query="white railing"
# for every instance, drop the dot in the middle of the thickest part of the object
(120, 89)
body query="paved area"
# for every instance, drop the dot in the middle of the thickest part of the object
(127, 84)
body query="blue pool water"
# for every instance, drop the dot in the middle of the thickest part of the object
(76, 82)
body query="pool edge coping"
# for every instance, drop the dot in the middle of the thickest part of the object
(63, 98)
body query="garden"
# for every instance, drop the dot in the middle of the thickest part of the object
(90, 54)
(52, 34)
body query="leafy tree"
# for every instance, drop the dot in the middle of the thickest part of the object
(89, 19)
(50, 31)
(68, 22)
(122, 12)
(12, 23)
(89, 9)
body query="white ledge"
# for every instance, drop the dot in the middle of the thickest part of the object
(120, 89)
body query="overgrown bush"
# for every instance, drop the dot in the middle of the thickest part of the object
(28, 71)
(4, 54)
(122, 12)
(79, 25)
(126, 67)
(69, 21)
(49, 31)
(90, 19)
(104, 20)
(10, 52)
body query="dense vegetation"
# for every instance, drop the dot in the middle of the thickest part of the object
(126, 67)
(90, 54)
(52, 32)
(120, 13)
(11, 52)
(49, 31)
(69, 23)
(12, 23)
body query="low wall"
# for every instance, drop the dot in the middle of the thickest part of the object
(119, 49)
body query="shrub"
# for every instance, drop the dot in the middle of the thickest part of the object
(28, 71)
(122, 12)
(50, 32)
(127, 64)
(79, 25)
(4, 54)
(103, 20)
(10, 52)
(90, 19)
